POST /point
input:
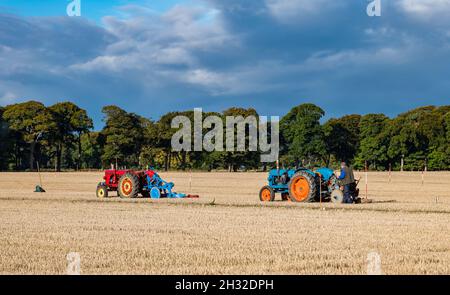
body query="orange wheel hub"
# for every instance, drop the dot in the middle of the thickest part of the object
(300, 189)
(127, 186)
(266, 195)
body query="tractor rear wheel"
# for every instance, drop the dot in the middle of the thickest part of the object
(266, 194)
(302, 187)
(102, 191)
(129, 186)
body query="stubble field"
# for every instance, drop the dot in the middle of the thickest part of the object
(226, 231)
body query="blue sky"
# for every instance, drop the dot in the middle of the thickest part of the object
(92, 9)
(155, 56)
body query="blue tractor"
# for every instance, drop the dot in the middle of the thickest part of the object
(302, 185)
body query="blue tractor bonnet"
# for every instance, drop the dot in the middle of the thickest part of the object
(325, 172)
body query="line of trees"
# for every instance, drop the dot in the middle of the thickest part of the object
(61, 137)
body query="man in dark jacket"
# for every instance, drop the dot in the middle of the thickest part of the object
(347, 180)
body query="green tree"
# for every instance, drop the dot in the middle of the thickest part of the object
(71, 122)
(447, 127)
(374, 142)
(182, 158)
(164, 137)
(150, 152)
(92, 149)
(415, 134)
(439, 156)
(81, 124)
(342, 137)
(164, 133)
(124, 136)
(32, 121)
(302, 136)
(5, 142)
(208, 160)
(233, 160)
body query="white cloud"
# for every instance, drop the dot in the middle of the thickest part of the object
(204, 77)
(426, 9)
(8, 98)
(167, 46)
(349, 59)
(287, 11)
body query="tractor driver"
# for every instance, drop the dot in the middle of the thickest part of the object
(347, 180)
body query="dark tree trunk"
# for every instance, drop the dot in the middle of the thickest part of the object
(58, 157)
(170, 160)
(79, 151)
(166, 161)
(183, 160)
(327, 160)
(17, 157)
(32, 147)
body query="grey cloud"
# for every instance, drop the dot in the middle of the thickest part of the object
(217, 54)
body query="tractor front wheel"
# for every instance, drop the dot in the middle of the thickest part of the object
(102, 191)
(128, 186)
(302, 187)
(266, 194)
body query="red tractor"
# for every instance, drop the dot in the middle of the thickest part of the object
(130, 183)
(125, 182)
